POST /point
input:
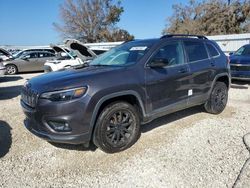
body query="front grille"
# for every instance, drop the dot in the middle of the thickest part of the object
(238, 67)
(29, 97)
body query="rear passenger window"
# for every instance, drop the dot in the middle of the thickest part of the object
(48, 55)
(41, 55)
(195, 50)
(212, 50)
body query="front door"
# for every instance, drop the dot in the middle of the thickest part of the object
(167, 87)
(29, 61)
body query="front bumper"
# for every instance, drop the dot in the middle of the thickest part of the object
(240, 71)
(56, 138)
(2, 71)
(240, 75)
(72, 112)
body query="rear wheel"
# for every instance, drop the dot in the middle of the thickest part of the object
(117, 127)
(11, 69)
(218, 99)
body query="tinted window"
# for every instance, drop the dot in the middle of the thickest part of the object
(195, 50)
(212, 51)
(244, 50)
(98, 52)
(30, 55)
(41, 55)
(172, 53)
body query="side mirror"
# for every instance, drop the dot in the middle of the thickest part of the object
(231, 53)
(25, 58)
(158, 63)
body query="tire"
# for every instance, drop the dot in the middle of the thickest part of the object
(117, 127)
(218, 99)
(11, 69)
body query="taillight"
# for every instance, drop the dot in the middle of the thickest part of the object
(228, 60)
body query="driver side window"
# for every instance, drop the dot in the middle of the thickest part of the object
(171, 53)
(31, 55)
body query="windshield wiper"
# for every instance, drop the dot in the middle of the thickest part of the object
(81, 66)
(101, 65)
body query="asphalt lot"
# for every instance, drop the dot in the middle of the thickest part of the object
(186, 149)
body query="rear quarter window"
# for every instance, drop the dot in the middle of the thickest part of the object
(213, 52)
(195, 50)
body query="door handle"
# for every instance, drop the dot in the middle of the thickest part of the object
(183, 70)
(212, 63)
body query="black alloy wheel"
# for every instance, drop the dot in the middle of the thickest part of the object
(117, 127)
(120, 127)
(218, 99)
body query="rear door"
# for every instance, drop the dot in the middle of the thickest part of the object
(201, 68)
(167, 87)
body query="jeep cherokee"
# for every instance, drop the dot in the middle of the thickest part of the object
(109, 99)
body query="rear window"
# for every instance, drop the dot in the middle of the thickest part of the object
(41, 55)
(212, 50)
(196, 51)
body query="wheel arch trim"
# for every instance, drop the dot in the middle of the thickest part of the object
(219, 76)
(110, 96)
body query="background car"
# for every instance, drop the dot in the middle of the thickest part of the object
(64, 59)
(78, 55)
(29, 61)
(4, 54)
(240, 63)
(20, 53)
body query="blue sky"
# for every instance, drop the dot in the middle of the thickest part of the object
(29, 22)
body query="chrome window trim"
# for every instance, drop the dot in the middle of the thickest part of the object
(215, 49)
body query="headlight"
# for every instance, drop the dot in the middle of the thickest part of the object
(64, 95)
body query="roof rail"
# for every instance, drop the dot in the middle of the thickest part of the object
(183, 35)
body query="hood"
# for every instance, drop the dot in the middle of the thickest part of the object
(237, 59)
(59, 49)
(67, 79)
(80, 49)
(5, 52)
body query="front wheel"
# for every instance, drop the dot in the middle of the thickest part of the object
(218, 99)
(117, 127)
(11, 69)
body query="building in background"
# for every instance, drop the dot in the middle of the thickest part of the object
(228, 43)
(231, 43)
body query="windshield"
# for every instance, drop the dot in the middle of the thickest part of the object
(17, 54)
(244, 50)
(126, 54)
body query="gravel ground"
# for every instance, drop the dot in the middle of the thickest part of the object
(185, 149)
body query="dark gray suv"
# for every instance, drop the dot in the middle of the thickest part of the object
(109, 99)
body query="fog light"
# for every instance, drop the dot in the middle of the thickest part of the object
(59, 126)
